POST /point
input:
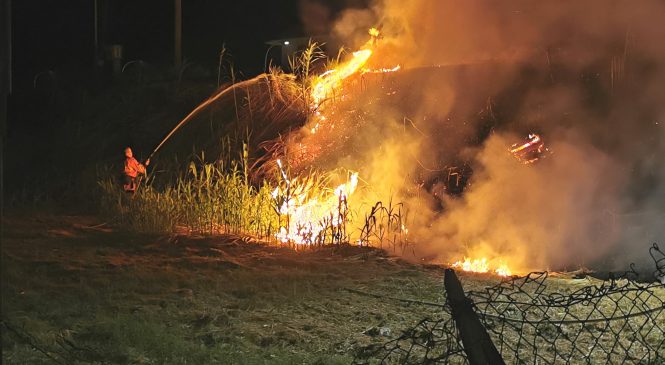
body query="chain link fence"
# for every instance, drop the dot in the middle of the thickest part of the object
(536, 319)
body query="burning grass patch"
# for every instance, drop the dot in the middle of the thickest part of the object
(220, 198)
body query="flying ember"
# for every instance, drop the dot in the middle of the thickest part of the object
(530, 151)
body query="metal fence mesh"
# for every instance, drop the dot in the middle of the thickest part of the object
(431, 341)
(536, 320)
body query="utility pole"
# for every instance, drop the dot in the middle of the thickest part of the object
(5, 88)
(478, 345)
(178, 35)
(5, 62)
(96, 34)
(6, 49)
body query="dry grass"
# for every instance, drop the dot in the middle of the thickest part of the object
(89, 293)
(84, 292)
(219, 197)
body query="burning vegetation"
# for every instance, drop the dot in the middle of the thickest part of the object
(532, 150)
(414, 143)
(429, 133)
(309, 213)
(481, 266)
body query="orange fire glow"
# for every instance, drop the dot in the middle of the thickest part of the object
(330, 80)
(530, 151)
(382, 70)
(533, 139)
(308, 216)
(481, 265)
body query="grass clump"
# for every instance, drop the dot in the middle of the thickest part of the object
(207, 198)
(220, 198)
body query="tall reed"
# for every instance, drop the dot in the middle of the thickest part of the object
(219, 197)
(206, 198)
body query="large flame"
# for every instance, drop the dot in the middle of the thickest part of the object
(330, 80)
(308, 216)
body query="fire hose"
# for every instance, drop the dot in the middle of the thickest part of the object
(203, 105)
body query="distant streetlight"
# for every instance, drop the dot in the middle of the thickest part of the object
(272, 44)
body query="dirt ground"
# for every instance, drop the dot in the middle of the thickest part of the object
(76, 290)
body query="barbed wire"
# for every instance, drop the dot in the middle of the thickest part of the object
(540, 319)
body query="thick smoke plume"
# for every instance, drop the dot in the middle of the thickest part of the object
(588, 75)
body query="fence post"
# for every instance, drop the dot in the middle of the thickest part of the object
(477, 343)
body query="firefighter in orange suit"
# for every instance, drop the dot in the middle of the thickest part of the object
(133, 169)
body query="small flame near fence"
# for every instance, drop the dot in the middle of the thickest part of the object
(482, 265)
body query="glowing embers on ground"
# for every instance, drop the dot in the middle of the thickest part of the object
(482, 265)
(309, 212)
(530, 151)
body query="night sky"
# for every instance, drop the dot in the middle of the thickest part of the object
(58, 35)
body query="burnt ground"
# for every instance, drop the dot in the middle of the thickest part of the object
(75, 290)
